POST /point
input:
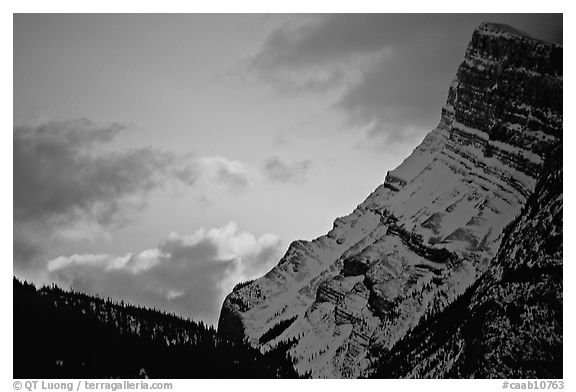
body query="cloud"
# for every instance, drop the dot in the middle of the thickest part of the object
(302, 55)
(188, 274)
(70, 184)
(60, 173)
(232, 174)
(275, 169)
(389, 73)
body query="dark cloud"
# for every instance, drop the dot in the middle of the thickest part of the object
(65, 183)
(391, 71)
(275, 169)
(188, 275)
(61, 173)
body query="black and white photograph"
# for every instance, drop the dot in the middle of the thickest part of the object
(287, 196)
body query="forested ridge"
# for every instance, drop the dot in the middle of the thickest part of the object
(67, 334)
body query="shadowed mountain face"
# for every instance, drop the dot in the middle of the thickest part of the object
(427, 241)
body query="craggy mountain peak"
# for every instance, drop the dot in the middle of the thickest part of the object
(502, 29)
(427, 234)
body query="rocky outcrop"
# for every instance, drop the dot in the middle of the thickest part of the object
(509, 324)
(429, 232)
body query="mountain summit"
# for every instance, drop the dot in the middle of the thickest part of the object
(429, 234)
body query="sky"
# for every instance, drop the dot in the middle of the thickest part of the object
(163, 158)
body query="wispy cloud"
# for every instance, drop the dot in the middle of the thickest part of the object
(186, 274)
(387, 73)
(231, 174)
(274, 169)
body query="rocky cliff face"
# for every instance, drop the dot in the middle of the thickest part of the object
(428, 233)
(509, 324)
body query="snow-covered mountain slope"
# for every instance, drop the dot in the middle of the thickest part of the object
(509, 324)
(428, 232)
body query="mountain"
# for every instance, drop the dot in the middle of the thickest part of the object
(509, 324)
(426, 239)
(64, 334)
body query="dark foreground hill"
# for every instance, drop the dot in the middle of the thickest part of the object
(62, 334)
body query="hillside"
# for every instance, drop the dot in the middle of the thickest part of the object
(63, 334)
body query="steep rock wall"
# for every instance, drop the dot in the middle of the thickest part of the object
(509, 323)
(423, 237)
